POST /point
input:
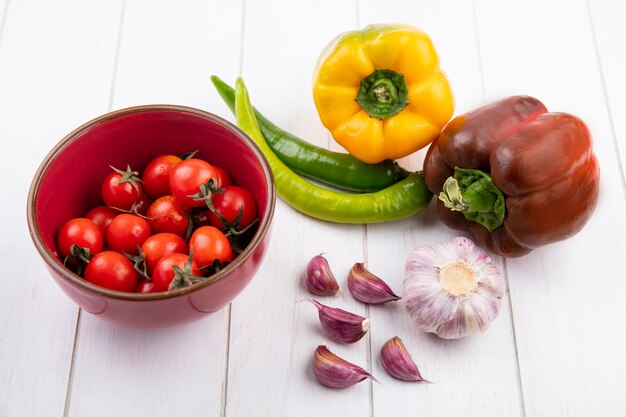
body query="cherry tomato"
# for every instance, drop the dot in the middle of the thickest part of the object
(186, 179)
(126, 232)
(168, 216)
(143, 202)
(112, 270)
(230, 202)
(161, 244)
(156, 176)
(223, 179)
(121, 189)
(102, 216)
(145, 286)
(82, 232)
(164, 273)
(207, 244)
(201, 218)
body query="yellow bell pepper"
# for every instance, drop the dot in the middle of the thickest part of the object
(381, 93)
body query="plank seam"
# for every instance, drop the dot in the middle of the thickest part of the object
(70, 377)
(478, 52)
(607, 102)
(292, 348)
(70, 382)
(224, 396)
(368, 339)
(4, 19)
(120, 32)
(369, 363)
(243, 36)
(504, 263)
(517, 360)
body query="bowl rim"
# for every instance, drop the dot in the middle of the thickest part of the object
(73, 278)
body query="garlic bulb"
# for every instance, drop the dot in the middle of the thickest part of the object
(452, 289)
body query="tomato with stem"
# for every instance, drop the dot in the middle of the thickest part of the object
(121, 189)
(79, 238)
(112, 270)
(209, 244)
(176, 270)
(187, 177)
(236, 205)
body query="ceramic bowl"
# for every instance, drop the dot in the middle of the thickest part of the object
(67, 185)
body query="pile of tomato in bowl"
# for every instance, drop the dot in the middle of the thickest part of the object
(138, 232)
(176, 224)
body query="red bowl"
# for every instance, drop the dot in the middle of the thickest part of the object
(67, 185)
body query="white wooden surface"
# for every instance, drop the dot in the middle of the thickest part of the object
(557, 348)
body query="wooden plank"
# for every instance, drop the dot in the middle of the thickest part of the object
(273, 336)
(54, 75)
(167, 52)
(149, 372)
(567, 297)
(476, 376)
(608, 27)
(4, 5)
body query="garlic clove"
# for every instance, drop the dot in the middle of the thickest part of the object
(340, 325)
(332, 371)
(398, 363)
(367, 287)
(452, 289)
(319, 279)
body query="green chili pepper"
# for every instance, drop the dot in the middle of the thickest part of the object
(400, 200)
(340, 170)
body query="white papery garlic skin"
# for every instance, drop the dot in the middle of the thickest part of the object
(452, 289)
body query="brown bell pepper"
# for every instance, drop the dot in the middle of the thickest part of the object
(514, 175)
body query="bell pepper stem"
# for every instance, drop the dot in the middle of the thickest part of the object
(452, 197)
(473, 193)
(383, 93)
